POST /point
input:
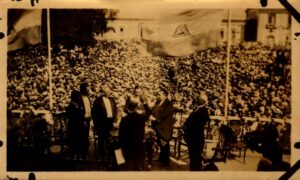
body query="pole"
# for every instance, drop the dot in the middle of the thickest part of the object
(140, 30)
(227, 64)
(49, 60)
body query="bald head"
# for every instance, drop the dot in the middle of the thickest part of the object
(203, 99)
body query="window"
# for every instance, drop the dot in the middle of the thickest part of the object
(289, 21)
(270, 40)
(222, 34)
(271, 18)
(233, 34)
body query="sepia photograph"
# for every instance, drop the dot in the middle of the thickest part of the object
(166, 89)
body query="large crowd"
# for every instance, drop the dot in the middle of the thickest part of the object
(259, 77)
(28, 77)
(260, 82)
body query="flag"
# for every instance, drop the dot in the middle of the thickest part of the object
(25, 30)
(183, 33)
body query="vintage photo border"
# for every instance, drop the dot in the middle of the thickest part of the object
(236, 4)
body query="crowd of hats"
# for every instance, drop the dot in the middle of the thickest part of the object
(117, 64)
(260, 81)
(254, 89)
(27, 74)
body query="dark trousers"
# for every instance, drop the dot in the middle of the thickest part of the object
(149, 150)
(103, 146)
(75, 144)
(85, 136)
(133, 165)
(195, 149)
(164, 156)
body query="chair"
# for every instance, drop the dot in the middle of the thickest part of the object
(216, 150)
(236, 139)
(181, 142)
(58, 142)
(176, 138)
(176, 134)
(241, 146)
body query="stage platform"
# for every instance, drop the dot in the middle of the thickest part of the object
(30, 162)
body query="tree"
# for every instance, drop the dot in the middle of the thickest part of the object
(100, 24)
(77, 26)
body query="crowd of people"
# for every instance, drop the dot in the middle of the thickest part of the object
(260, 82)
(28, 77)
(259, 77)
(106, 83)
(113, 62)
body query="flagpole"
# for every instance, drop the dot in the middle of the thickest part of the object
(49, 60)
(227, 64)
(140, 30)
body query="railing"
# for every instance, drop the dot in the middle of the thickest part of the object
(46, 114)
(49, 117)
(230, 118)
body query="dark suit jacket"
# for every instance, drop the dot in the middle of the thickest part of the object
(165, 120)
(195, 124)
(131, 134)
(102, 124)
(75, 115)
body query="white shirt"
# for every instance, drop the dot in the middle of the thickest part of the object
(254, 126)
(108, 107)
(161, 102)
(87, 106)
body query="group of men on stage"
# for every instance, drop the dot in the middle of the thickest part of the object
(103, 112)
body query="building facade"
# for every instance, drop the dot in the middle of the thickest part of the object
(131, 29)
(271, 27)
(237, 31)
(124, 28)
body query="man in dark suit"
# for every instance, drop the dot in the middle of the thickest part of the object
(163, 125)
(131, 133)
(104, 114)
(86, 106)
(194, 132)
(75, 116)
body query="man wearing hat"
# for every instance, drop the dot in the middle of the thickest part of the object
(194, 132)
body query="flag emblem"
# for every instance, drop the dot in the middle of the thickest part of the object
(181, 30)
(183, 33)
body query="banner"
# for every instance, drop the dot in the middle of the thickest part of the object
(25, 30)
(183, 33)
